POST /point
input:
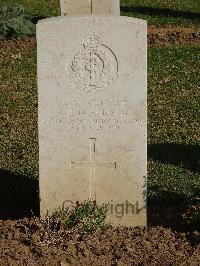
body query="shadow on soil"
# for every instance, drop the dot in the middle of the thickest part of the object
(19, 196)
(170, 216)
(160, 12)
(187, 156)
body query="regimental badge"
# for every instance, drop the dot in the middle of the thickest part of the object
(94, 67)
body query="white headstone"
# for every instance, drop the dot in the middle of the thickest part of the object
(109, 7)
(92, 80)
(74, 7)
(77, 7)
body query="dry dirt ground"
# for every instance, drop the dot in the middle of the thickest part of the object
(28, 242)
(172, 35)
(159, 36)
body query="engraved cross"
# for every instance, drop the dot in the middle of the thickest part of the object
(92, 164)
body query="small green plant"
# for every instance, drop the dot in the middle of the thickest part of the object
(198, 29)
(86, 217)
(14, 22)
(192, 217)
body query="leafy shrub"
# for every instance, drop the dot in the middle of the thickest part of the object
(14, 22)
(86, 217)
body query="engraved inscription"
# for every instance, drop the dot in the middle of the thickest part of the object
(99, 115)
(94, 67)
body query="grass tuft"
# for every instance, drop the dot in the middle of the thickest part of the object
(86, 217)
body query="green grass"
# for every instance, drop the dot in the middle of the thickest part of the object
(163, 12)
(40, 8)
(158, 12)
(174, 94)
(173, 123)
(18, 101)
(173, 119)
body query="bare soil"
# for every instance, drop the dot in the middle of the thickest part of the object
(28, 242)
(171, 35)
(158, 36)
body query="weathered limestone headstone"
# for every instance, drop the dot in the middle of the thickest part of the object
(78, 7)
(74, 7)
(92, 114)
(109, 7)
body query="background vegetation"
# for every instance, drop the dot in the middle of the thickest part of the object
(157, 12)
